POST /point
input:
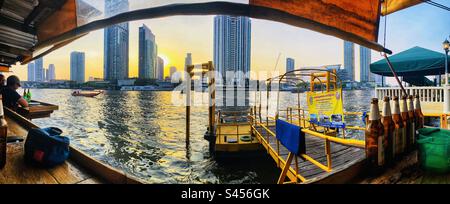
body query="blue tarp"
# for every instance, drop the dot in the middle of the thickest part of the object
(291, 137)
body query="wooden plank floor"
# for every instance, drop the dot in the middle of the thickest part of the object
(17, 171)
(342, 156)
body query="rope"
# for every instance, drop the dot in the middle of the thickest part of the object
(436, 5)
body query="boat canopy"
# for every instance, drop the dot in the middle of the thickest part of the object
(30, 29)
(416, 61)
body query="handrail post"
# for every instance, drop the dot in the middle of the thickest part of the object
(328, 152)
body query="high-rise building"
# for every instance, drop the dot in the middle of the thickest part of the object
(31, 72)
(148, 53)
(290, 64)
(364, 64)
(46, 75)
(51, 72)
(172, 71)
(187, 60)
(232, 45)
(116, 43)
(160, 72)
(39, 70)
(77, 67)
(349, 60)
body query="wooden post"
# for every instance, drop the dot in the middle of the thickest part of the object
(188, 78)
(267, 102)
(286, 168)
(212, 97)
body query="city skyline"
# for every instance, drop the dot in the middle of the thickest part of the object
(176, 36)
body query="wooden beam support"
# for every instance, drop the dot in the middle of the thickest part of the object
(286, 168)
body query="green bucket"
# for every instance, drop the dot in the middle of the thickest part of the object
(434, 147)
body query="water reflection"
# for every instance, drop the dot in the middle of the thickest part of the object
(143, 133)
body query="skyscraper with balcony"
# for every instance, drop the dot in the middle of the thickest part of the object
(148, 53)
(232, 45)
(31, 71)
(349, 60)
(51, 72)
(77, 67)
(364, 64)
(39, 70)
(116, 39)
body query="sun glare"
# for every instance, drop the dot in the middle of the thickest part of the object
(165, 58)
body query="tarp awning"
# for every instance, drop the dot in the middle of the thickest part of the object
(391, 6)
(418, 81)
(50, 24)
(416, 61)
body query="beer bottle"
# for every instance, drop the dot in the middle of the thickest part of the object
(406, 122)
(412, 117)
(374, 137)
(400, 130)
(29, 95)
(3, 135)
(420, 119)
(25, 95)
(389, 127)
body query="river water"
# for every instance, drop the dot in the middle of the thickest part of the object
(143, 134)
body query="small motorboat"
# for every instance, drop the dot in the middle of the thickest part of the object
(87, 93)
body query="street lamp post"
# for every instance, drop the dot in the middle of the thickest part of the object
(446, 46)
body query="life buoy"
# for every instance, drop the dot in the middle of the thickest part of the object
(246, 138)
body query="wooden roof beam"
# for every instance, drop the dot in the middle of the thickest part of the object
(15, 51)
(16, 25)
(48, 4)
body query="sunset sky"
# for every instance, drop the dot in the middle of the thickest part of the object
(422, 25)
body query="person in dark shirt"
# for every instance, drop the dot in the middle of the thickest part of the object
(10, 97)
(2, 81)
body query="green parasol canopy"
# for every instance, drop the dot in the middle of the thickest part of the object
(416, 61)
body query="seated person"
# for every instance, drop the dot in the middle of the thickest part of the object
(10, 97)
(2, 81)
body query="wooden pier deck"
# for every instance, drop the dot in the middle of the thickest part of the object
(346, 160)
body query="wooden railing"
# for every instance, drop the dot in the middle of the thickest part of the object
(426, 93)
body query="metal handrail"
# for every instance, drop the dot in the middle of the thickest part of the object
(328, 139)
